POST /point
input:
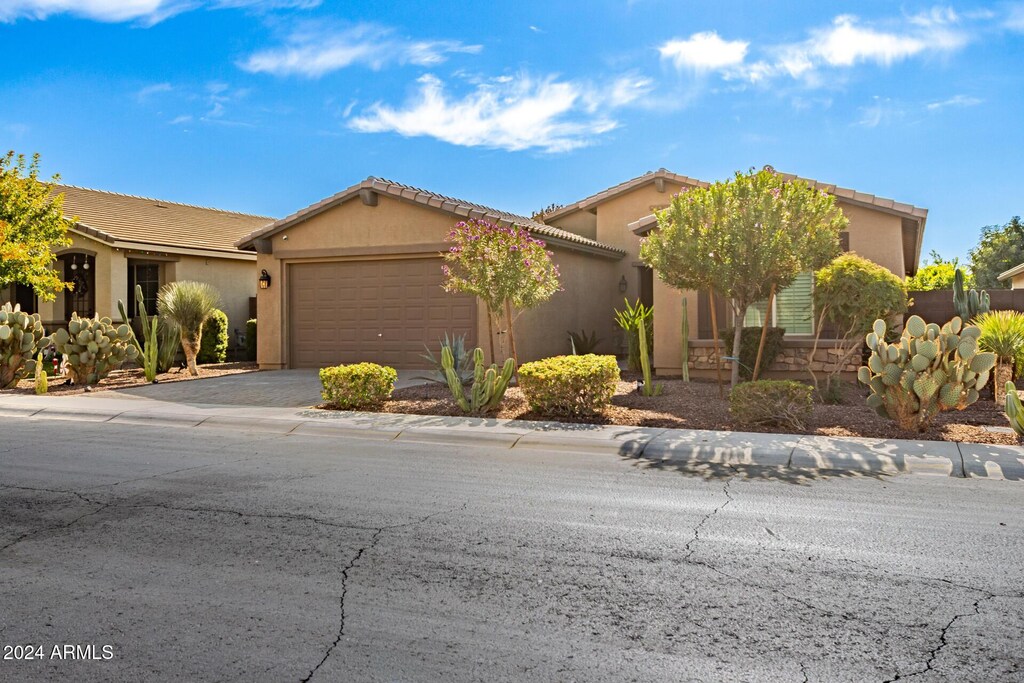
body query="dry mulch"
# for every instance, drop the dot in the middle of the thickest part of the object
(696, 405)
(133, 377)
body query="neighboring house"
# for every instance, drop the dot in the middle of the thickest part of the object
(358, 277)
(1015, 275)
(120, 240)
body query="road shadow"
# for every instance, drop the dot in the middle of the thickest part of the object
(713, 471)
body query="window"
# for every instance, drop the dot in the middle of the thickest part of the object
(147, 275)
(793, 308)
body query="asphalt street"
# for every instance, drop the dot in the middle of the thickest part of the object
(225, 555)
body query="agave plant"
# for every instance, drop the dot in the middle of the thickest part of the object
(187, 305)
(462, 360)
(1002, 333)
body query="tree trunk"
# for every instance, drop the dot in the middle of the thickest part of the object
(737, 342)
(490, 333)
(190, 345)
(714, 341)
(1003, 374)
(511, 334)
(764, 334)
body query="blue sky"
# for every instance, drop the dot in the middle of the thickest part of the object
(266, 106)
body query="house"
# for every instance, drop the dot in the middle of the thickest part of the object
(121, 240)
(887, 232)
(357, 276)
(1015, 275)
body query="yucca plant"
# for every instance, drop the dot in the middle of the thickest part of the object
(187, 305)
(1002, 333)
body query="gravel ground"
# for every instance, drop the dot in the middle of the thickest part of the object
(134, 377)
(696, 405)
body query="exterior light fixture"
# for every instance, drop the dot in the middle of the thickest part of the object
(623, 285)
(265, 279)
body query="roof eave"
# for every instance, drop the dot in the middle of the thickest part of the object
(1012, 272)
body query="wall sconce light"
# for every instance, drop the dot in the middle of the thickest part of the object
(265, 279)
(623, 285)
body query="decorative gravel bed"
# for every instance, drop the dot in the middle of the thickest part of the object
(696, 405)
(133, 377)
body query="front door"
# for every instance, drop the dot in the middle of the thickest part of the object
(80, 271)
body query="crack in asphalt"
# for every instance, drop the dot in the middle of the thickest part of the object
(690, 551)
(803, 671)
(56, 527)
(934, 653)
(378, 532)
(696, 530)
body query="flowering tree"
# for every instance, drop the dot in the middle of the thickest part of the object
(744, 239)
(504, 267)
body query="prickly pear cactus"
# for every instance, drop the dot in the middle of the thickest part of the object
(21, 338)
(94, 347)
(489, 385)
(928, 370)
(1015, 410)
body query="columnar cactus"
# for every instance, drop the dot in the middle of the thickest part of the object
(488, 385)
(969, 304)
(94, 347)
(928, 370)
(21, 337)
(649, 388)
(149, 353)
(1014, 410)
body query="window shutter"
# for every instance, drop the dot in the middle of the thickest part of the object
(794, 310)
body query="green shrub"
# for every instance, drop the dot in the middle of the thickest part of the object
(213, 346)
(750, 339)
(771, 403)
(361, 386)
(250, 339)
(569, 385)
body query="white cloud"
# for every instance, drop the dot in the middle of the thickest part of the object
(316, 50)
(145, 93)
(704, 52)
(1015, 18)
(178, 120)
(525, 113)
(147, 12)
(881, 110)
(955, 101)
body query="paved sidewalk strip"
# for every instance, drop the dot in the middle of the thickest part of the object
(675, 447)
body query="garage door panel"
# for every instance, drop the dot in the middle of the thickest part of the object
(381, 311)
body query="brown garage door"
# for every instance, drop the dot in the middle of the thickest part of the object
(378, 311)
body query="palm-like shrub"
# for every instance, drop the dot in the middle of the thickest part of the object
(1002, 333)
(187, 305)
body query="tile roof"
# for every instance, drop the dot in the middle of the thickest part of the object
(615, 190)
(121, 218)
(853, 196)
(452, 205)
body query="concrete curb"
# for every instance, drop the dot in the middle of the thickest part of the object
(661, 447)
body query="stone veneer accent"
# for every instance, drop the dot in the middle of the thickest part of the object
(792, 359)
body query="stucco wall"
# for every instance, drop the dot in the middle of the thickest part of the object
(1017, 282)
(399, 229)
(876, 235)
(235, 280)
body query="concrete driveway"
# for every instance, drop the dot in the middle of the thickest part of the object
(271, 389)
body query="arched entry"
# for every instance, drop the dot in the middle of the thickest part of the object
(80, 270)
